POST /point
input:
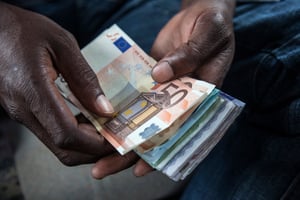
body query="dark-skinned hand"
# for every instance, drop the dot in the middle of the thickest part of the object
(34, 51)
(198, 41)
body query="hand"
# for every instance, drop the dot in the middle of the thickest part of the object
(115, 163)
(34, 50)
(198, 41)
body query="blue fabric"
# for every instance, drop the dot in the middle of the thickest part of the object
(259, 156)
(266, 64)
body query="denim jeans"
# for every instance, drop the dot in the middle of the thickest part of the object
(259, 156)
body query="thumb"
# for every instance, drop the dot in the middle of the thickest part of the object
(184, 60)
(81, 79)
(210, 43)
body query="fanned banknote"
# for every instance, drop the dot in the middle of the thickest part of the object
(172, 126)
(165, 152)
(205, 139)
(165, 135)
(143, 107)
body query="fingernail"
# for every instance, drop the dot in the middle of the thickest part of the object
(95, 173)
(104, 105)
(139, 172)
(162, 72)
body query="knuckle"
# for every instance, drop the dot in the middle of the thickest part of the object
(219, 35)
(216, 23)
(213, 16)
(65, 40)
(13, 112)
(61, 140)
(90, 78)
(88, 84)
(67, 37)
(195, 53)
(194, 49)
(66, 159)
(87, 74)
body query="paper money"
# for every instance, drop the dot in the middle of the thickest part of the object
(187, 151)
(172, 126)
(165, 135)
(205, 139)
(149, 114)
(143, 107)
(199, 125)
(197, 119)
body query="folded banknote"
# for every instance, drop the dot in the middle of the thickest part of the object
(172, 126)
(143, 108)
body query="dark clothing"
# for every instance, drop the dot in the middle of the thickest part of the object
(259, 156)
(9, 183)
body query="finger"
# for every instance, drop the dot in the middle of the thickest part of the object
(206, 41)
(67, 157)
(113, 164)
(142, 168)
(54, 115)
(72, 158)
(215, 70)
(63, 128)
(81, 79)
(168, 39)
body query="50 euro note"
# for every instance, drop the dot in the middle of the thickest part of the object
(200, 116)
(165, 135)
(143, 108)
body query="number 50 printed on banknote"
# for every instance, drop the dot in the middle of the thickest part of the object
(143, 108)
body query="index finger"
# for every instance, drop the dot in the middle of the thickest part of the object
(49, 108)
(81, 79)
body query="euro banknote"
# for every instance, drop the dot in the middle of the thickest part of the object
(189, 156)
(163, 136)
(172, 126)
(143, 108)
(196, 120)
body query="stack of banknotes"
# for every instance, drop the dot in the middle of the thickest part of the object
(172, 126)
